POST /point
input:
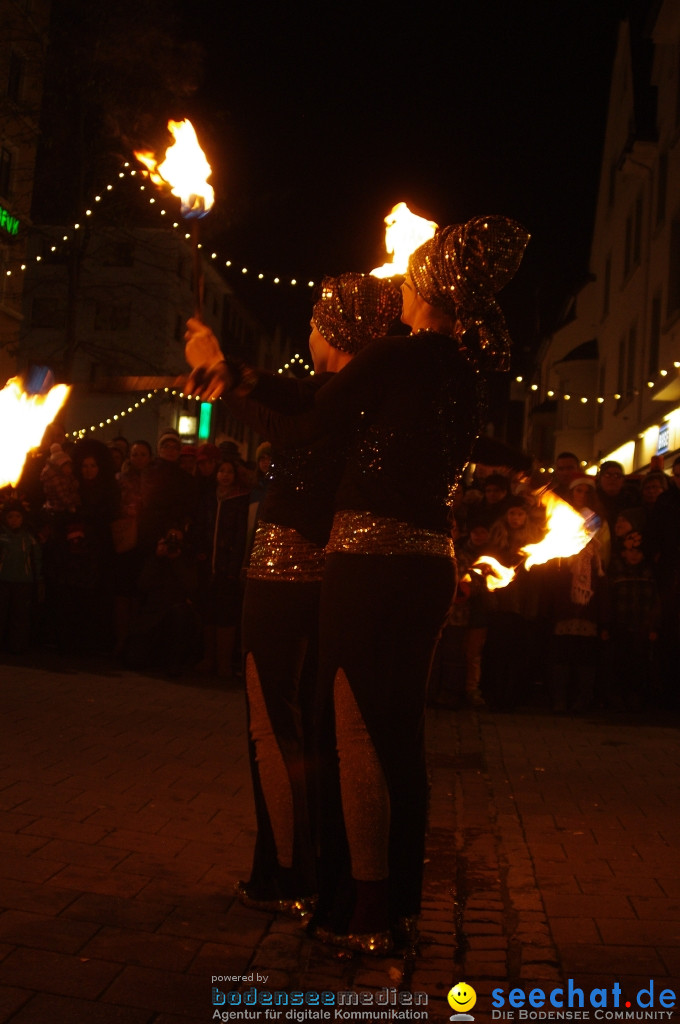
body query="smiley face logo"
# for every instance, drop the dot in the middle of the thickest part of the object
(462, 997)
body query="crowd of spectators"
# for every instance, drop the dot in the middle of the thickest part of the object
(110, 548)
(599, 629)
(114, 549)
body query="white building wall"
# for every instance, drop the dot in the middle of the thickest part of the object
(631, 305)
(133, 298)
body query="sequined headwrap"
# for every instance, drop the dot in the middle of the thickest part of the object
(354, 309)
(461, 269)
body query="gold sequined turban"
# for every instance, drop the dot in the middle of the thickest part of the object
(354, 309)
(461, 269)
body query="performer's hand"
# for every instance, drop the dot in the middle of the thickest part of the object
(201, 347)
(210, 376)
(210, 383)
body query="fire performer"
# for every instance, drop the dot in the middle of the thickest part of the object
(281, 601)
(417, 405)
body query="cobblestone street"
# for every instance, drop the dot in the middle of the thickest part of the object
(126, 817)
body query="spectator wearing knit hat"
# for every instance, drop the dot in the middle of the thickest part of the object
(60, 486)
(634, 624)
(20, 575)
(664, 537)
(171, 496)
(208, 458)
(263, 470)
(614, 491)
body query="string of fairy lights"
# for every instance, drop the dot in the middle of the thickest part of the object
(600, 399)
(81, 432)
(138, 175)
(130, 172)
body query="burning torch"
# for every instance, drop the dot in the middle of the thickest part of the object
(24, 417)
(185, 170)
(404, 232)
(566, 533)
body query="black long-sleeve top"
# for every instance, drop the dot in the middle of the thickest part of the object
(411, 408)
(305, 477)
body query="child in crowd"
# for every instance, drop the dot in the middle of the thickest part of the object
(465, 628)
(59, 484)
(512, 611)
(20, 576)
(635, 612)
(165, 633)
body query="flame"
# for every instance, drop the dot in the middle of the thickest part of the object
(184, 168)
(24, 419)
(566, 532)
(495, 573)
(405, 231)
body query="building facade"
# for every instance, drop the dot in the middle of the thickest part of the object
(107, 314)
(23, 47)
(607, 383)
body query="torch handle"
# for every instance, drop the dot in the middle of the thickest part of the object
(198, 279)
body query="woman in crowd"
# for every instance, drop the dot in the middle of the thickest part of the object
(221, 543)
(512, 611)
(584, 497)
(414, 401)
(99, 508)
(575, 604)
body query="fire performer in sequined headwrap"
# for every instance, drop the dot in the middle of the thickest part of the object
(281, 601)
(417, 406)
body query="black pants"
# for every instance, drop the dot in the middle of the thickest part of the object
(280, 629)
(379, 622)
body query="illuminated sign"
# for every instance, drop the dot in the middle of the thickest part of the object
(204, 422)
(8, 223)
(664, 439)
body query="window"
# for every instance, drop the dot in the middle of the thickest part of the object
(637, 231)
(118, 254)
(48, 312)
(110, 317)
(621, 374)
(673, 302)
(633, 242)
(654, 336)
(15, 78)
(607, 286)
(630, 360)
(5, 172)
(661, 187)
(677, 86)
(628, 247)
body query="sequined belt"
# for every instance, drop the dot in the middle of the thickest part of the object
(281, 553)
(361, 533)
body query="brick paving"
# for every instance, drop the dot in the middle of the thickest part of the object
(126, 817)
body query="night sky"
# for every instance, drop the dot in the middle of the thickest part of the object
(317, 124)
